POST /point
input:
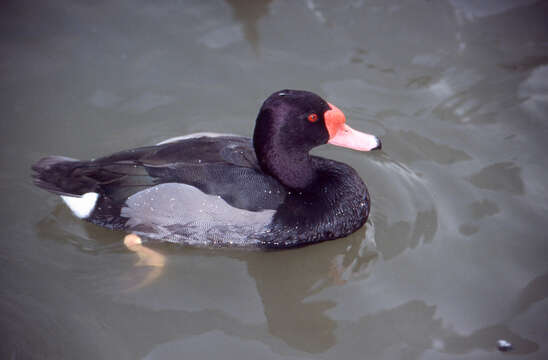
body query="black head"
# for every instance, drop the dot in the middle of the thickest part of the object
(292, 119)
(291, 123)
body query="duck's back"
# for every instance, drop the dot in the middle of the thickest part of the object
(207, 191)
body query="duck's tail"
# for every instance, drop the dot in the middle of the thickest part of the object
(62, 175)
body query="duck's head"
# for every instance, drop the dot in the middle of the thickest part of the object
(292, 122)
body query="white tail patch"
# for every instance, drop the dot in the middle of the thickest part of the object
(81, 206)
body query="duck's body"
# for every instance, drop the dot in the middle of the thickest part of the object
(221, 190)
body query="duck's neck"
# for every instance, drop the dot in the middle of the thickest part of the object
(293, 167)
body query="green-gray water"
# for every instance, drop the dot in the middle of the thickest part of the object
(453, 258)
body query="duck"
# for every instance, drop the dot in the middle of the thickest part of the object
(224, 190)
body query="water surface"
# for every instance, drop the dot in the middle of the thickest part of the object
(453, 257)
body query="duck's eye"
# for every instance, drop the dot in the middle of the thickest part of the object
(312, 118)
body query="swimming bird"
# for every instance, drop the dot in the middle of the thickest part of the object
(223, 190)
